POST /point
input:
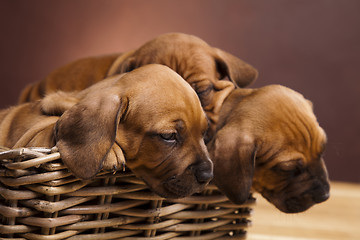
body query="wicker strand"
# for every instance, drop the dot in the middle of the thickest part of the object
(41, 199)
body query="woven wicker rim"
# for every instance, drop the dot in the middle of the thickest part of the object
(41, 199)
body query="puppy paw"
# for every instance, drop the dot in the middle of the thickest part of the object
(56, 104)
(115, 160)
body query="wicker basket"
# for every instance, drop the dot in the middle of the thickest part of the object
(41, 199)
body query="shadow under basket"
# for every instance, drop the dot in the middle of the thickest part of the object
(41, 199)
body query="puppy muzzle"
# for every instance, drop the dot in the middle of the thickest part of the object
(301, 201)
(193, 180)
(203, 172)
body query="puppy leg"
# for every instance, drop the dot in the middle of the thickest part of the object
(56, 104)
(115, 159)
(222, 91)
(40, 135)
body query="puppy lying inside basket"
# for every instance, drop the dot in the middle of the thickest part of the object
(210, 71)
(151, 117)
(123, 117)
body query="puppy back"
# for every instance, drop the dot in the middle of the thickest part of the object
(74, 76)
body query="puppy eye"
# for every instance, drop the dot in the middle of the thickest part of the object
(292, 167)
(205, 95)
(168, 137)
(297, 171)
(204, 90)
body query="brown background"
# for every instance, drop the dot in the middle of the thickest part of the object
(312, 46)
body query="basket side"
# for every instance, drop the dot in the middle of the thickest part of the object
(41, 199)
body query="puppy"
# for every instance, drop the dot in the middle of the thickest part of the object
(269, 139)
(205, 68)
(151, 117)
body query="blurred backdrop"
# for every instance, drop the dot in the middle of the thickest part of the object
(312, 46)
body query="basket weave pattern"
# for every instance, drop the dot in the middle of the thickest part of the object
(41, 199)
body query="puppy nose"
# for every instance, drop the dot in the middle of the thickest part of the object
(320, 192)
(204, 176)
(321, 198)
(204, 173)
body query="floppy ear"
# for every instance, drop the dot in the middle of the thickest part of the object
(234, 158)
(86, 132)
(124, 63)
(238, 71)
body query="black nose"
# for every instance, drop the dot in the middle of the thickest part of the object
(320, 192)
(203, 172)
(203, 176)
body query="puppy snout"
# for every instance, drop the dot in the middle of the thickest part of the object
(320, 192)
(321, 198)
(203, 172)
(203, 176)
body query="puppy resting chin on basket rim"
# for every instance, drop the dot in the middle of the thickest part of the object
(151, 117)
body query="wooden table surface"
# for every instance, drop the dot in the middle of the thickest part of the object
(336, 219)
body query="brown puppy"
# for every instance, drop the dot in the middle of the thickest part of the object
(151, 117)
(201, 65)
(269, 139)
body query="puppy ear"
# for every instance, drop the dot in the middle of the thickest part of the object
(124, 63)
(86, 132)
(234, 158)
(238, 71)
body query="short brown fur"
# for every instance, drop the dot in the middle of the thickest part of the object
(122, 117)
(269, 139)
(204, 67)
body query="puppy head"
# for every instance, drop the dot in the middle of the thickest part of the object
(152, 118)
(276, 131)
(205, 68)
